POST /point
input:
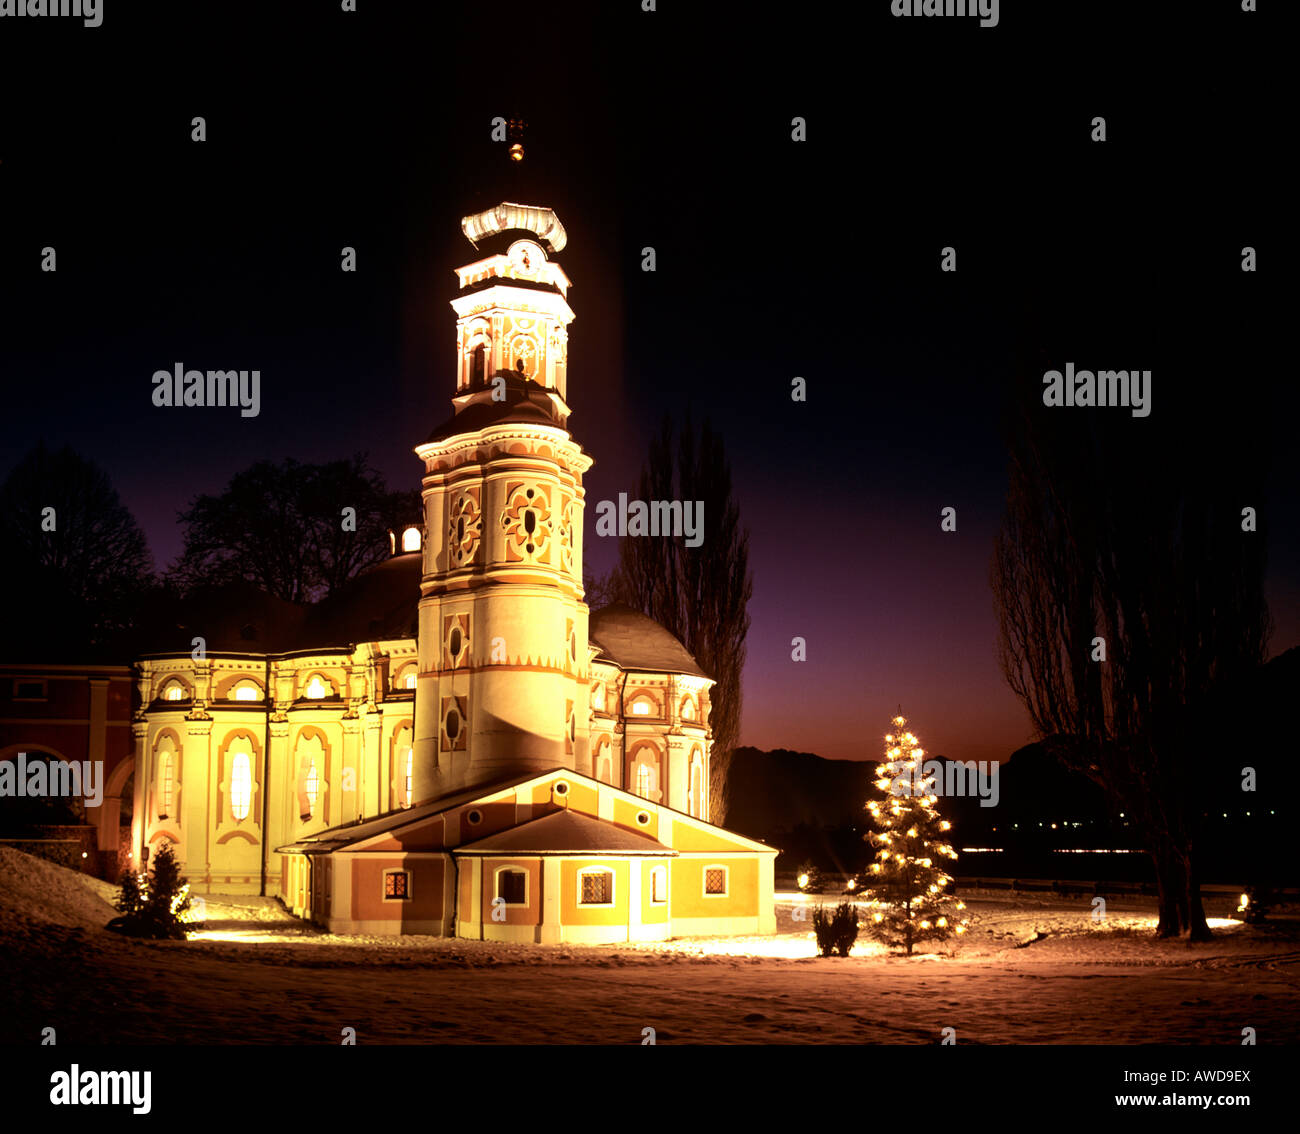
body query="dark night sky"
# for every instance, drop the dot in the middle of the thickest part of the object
(774, 260)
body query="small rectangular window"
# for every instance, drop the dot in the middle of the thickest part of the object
(597, 889)
(397, 885)
(659, 884)
(512, 886)
(29, 690)
(715, 880)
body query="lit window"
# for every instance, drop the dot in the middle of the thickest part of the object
(512, 887)
(168, 786)
(597, 888)
(316, 688)
(641, 708)
(411, 539)
(174, 692)
(397, 885)
(715, 880)
(408, 682)
(312, 785)
(410, 775)
(598, 698)
(241, 786)
(644, 780)
(247, 691)
(688, 709)
(659, 884)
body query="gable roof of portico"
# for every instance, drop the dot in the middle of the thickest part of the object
(567, 832)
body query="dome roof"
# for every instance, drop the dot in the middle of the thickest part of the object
(526, 403)
(234, 618)
(380, 603)
(631, 640)
(537, 219)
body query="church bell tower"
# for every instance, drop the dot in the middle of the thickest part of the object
(503, 659)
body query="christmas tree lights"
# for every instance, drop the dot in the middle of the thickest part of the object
(910, 898)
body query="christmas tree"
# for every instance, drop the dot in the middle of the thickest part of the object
(151, 906)
(910, 901)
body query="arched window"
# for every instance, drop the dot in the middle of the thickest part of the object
(402, 773)
(174, 691)
(477, 365)
(316, 688)
(644, 703)
(411, 539)
(695, 802)
(311, 787)
(241, 786)
(644, 773)
(312, 758)
(405, 677)
(167, 785)
(246, 691)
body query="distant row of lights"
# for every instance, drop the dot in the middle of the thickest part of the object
(1058, 850)
(1065, 824)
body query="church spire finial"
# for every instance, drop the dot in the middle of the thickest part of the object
(515, 128)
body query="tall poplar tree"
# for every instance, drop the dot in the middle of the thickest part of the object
(700, 594)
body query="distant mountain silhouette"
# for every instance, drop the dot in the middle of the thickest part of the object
(812, 807)
(768, 792)
(771, 793)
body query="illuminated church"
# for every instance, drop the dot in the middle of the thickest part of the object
(454, 744)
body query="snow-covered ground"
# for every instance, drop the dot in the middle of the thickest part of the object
(1029, 970)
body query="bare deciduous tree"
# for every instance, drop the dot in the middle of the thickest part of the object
(76, 563)
(1111, 532)
(282, 527)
